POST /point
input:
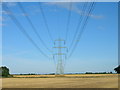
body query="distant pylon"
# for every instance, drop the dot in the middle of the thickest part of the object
(60, 56)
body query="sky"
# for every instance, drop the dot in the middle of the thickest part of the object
(96, 51)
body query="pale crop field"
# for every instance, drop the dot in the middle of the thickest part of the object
(68, 81)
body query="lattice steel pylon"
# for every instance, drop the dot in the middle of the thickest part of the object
(60, 56)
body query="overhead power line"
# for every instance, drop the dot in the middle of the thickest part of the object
(82, 29)
(68, 21)
(46, 24)
(14, 19)
(33, 27)
(79, 23)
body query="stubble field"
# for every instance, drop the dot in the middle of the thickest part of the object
(68, 81)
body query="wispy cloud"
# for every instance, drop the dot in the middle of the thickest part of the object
(2, 19)
(74, 8)
(1, 25)
(32, 9)
(65, 5)
(11, 4)
(5, 12)
(101, 28)
(24, 14)
(97, 16)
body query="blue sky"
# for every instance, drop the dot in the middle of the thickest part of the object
(96, 51)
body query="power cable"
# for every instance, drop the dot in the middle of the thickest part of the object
(22, 29)
(43, 15)
(33, 27)
(82, 29)
(79, 24)
(68, 21)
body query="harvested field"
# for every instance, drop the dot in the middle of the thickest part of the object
(68, 81)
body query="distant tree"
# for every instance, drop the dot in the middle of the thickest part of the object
(52, 74)
(109, 72)
(117, 69)
(4, 71)
(88, 73)
(104, 73)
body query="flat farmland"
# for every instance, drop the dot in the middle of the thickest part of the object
(67, 81)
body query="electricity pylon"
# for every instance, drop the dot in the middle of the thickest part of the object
(60, 59)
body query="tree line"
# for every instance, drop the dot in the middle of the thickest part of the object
(4, 72)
